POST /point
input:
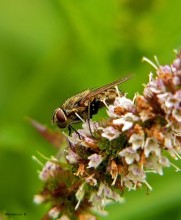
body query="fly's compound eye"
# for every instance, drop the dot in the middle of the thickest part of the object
(60, 118)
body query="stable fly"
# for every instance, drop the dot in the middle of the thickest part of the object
(86, 104)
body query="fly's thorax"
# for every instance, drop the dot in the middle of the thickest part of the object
(73, 103)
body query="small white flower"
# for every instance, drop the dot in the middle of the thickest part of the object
(64, 217)
(176, 64)
(98, 203)
(165, 69)
(168, 143)
(163, 97)
(151, 145)
(136, 173)
(166, 101)
(170, 101)
(87, 141)
(110, 133)
(127, 121)
(175, 148)
(164, 161)
(146, 115)
(95, 160)
(137, 141)
(177, 97)
(124, 103)
(38, 199)
(177, 143)
(160, 85)
(157, 163)
(110, 111)
(54, 212)
(71, 156)
(130, 155)
(176, 80)
(134, 176)
(105, 191)
(176, 113)
(128, 184)
(85, 131)
(92, 181)
(151, 88)
(74, 139)
(48, 170)
(176, 128)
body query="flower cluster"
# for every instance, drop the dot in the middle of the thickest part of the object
(61, 190)
(107, 157)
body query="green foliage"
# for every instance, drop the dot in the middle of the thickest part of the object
(50, 50)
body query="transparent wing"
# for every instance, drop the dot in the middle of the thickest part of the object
(94, 92)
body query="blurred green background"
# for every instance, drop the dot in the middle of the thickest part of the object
(50, 50)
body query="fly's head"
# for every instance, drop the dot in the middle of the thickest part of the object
(60, 118)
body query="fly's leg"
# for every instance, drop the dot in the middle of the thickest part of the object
(70, 128)
(88, 119)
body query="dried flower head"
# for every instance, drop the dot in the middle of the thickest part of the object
(117, 154)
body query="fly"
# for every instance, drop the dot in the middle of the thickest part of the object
(86, 104)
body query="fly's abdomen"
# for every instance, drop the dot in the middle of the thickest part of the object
(94, 107)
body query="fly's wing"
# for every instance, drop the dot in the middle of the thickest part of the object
(94, 92)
